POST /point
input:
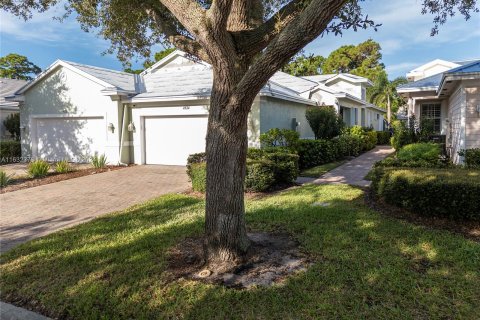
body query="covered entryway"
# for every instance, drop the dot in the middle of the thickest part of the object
(170, 140)
(72, 139)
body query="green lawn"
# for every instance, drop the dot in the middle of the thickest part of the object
(317, 171)
(365, 265)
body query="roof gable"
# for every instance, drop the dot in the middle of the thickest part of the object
(8, 87)
(176, 61)
(110, 79)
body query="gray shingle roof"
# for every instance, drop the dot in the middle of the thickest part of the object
(321, 78)
(185, 83)
(7, 88)
(295, 83)
(120, 80)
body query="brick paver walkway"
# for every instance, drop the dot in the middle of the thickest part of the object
(354, 171)
(35, 212)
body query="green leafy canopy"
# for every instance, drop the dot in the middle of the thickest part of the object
(15, 66)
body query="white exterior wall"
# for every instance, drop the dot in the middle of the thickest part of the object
(351, 88)
(276, 113)
(178, 109)
(456, 132)
(65, 94)
(472, 116)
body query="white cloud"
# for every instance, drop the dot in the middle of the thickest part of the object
(403, 66)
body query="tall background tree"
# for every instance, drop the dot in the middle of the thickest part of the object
(302, 65)
(15, 66)
(148, 63)
(246, 42)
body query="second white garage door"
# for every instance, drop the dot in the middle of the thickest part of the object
(171, 140)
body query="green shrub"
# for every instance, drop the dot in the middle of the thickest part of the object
(383, 137)
(280, 138)
(38, 168)
(420, 151)
(5, 179)
(198, 175)
(63, 167)
(371, 140)
(99, 162)
(349, 145)
(472, 157)
(316, 152)
(266, 168)
(403, 133)
(12, 125)
(10, 151)
(430, 192)
(284, 166)
(260, 175)
(324, 121)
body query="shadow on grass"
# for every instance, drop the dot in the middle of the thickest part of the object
(365, 265)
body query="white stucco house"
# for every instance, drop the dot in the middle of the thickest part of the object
(7, 88)
(72, 111)
(449, 94)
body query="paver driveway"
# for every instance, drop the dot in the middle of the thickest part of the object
(35, 212)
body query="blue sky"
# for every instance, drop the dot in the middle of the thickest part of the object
(404, 37)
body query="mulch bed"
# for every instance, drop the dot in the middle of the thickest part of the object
(468, 229)
(270, 259)
(24, 183)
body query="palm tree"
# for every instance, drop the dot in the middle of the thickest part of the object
(384, 93)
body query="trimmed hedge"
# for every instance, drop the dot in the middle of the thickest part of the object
(452, 193)
(472, 157)
(316, 152)
(10, 151)
(383, 137)
(266, 169)
(198, 176)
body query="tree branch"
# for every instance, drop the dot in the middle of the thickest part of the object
(254, 41)
(189, 13)
(307, 25)
(182, 42)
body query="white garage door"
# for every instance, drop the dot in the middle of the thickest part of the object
(171, 140)
(73, 139)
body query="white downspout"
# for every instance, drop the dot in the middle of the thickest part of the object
(122, 129)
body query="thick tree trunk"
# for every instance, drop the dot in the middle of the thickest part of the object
(226, 238)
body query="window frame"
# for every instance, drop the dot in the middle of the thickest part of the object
(432, 114)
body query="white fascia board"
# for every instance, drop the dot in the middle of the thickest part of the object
(15, 98)
(407, 90)
(116, 92)
(166, 99)
(9, 107)
(289, 98)
(344, 95)
(53, 67)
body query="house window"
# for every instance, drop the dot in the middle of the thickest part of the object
(432, 111)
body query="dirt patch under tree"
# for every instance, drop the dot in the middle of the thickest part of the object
(270, 259)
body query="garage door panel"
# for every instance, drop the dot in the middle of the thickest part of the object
(75, 139)
(170, 140)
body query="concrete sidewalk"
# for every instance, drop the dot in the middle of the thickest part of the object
(354, 171)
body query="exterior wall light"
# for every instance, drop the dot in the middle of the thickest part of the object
(478, 109)
(131, 127)
(111, 127)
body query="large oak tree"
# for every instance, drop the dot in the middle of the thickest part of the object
(246, 42)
